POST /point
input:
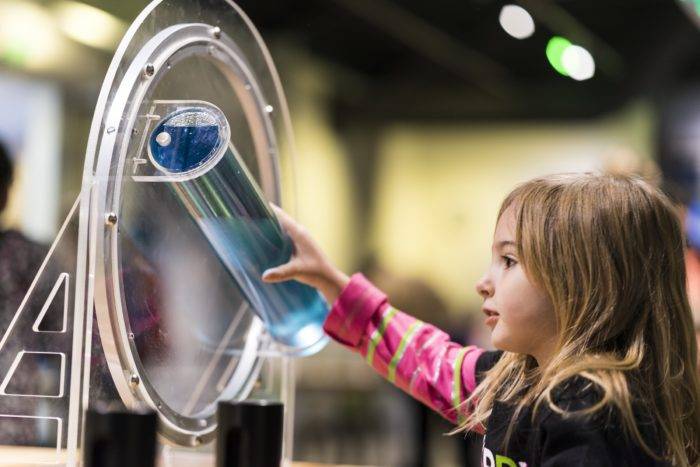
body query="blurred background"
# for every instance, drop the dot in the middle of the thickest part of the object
(413, 120)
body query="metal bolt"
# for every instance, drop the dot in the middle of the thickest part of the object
(216, 32)
(202, 422)
(149, 70)
(111, 218)
(134, 380)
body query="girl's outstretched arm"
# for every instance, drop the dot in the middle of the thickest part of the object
(415, 356)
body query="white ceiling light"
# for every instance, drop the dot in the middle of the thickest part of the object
(578, 62)
(89, 25)
(516, 21)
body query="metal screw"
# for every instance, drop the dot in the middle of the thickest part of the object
(202, 422)
(111, 218)
(134, 380)
(149, 70)
(216, 32)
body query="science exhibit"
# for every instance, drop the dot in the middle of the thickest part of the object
(149, 310)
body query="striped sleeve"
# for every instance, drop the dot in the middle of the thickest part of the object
(415, 356)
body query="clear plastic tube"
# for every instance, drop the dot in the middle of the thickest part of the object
(231, 211)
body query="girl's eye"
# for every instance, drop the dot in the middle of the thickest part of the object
(508, 261)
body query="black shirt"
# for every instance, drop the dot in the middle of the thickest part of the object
(554, 440)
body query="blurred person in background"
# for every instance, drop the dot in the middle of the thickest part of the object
(20, 257)
(691, 215)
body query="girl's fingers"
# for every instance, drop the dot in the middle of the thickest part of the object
(284, 218)
(281, 273)
(289, 225)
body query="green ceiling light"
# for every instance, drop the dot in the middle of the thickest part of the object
(694, 4)
(555, 51)
(13, 53)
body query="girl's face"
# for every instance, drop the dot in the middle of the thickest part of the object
(520, 314)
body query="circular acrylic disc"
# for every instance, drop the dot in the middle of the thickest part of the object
(190, 81)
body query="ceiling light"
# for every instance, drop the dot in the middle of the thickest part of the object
(89, 25)
(28, 36)
(516, 21)
(578, 63)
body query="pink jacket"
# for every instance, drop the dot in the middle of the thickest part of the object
(415, 356)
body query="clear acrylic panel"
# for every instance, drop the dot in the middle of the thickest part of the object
(36, 357)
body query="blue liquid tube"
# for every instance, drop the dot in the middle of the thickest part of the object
(229, 208)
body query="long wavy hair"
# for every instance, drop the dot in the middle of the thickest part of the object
(608, 251)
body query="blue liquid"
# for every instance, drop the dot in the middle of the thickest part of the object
(189, 146)
(229, 208)
(294, 312)
(192, 137)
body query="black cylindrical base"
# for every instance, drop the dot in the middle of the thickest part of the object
(249, 434)
(119, 438)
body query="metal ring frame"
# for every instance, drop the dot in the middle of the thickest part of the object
(168, 47)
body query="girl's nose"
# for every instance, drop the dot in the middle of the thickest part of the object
(484, 287)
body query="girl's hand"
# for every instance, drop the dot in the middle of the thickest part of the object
(308, 263)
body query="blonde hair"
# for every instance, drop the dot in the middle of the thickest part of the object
(609, 252)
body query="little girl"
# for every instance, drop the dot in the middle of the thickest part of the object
(586, 300)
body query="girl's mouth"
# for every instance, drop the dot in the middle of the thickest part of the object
(491, 317)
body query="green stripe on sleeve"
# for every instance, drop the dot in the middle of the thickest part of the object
(378, 333)
(457, 382)
(391, 373)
